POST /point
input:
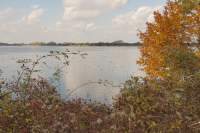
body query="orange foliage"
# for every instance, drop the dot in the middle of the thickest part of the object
(171, 29)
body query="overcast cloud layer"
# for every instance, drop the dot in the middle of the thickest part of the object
(79, 21)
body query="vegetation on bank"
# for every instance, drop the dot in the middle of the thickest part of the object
(165, 101)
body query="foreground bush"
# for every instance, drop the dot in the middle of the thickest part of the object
(40, 109)
(143, 105)
(159, 106)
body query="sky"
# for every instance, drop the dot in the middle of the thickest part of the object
(25, 21)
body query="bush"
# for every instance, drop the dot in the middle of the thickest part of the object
(159, 106)
(40, 109)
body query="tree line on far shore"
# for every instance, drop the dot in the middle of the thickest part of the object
(116, 43)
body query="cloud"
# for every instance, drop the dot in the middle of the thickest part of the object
(90, 27)
(36, 6)
(80, 26)
(9, 17)
(86, 9)
(135, 19)
(34, 16)
(126, 25)
(7, 13)
(14, 24)
(116, 3)
(79, 22)
(81, 14)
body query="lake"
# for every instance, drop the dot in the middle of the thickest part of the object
(112, 65)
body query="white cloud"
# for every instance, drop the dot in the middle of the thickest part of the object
(80, 22)
(58, 24)
(34, 16)
(85, 9)
(13, 20)
(90, 27)
(80, 14)
(9, 17)
(81, 26)
(116, 3)
(7, 14)
(72, 13)
(126, 26)
(135, 19)
(36, 6)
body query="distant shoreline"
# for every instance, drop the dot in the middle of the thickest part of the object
(71, 44)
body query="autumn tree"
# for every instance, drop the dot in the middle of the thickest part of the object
(188, 5)
(171, 43)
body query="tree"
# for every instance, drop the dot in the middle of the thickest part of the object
(172, 32)
(188, 5)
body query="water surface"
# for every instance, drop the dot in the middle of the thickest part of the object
(112, 64)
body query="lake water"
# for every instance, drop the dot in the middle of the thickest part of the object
(109, 64)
